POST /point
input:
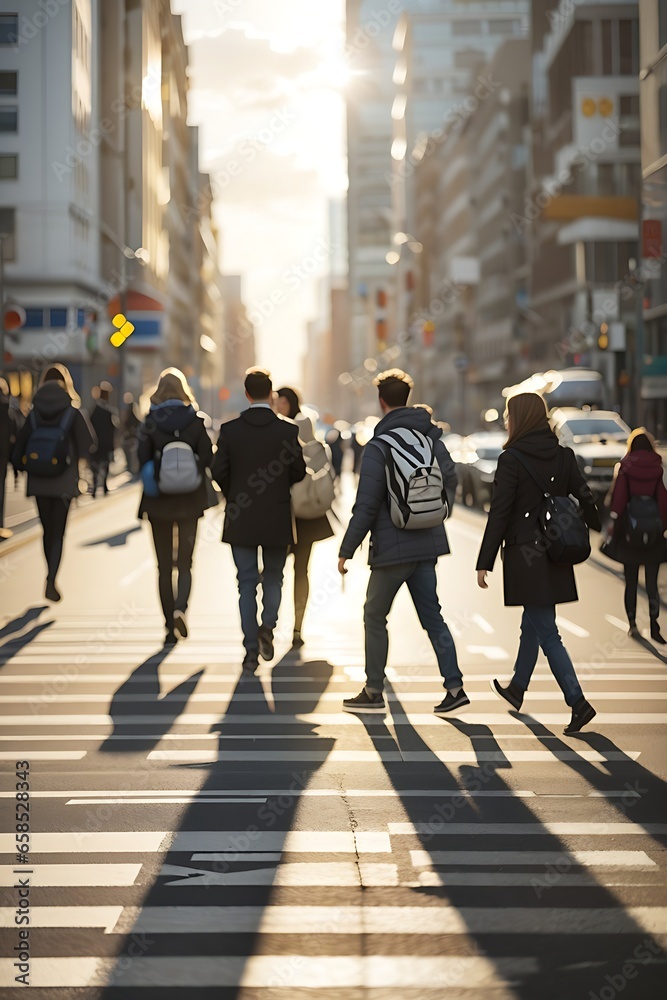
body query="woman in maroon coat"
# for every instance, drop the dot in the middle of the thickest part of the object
(640, 473)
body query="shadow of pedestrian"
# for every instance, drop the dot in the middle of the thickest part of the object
(226, 863)
(650, 648)
(113, 541)
(137, 707)
(516, 895)
(16, 638)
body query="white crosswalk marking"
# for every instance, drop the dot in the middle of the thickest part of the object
(260, 809)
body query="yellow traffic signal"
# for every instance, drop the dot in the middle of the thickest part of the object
(123, 330)
(603, 338)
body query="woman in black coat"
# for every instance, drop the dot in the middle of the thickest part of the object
(173, 417)
(55, 404)
(531, 579)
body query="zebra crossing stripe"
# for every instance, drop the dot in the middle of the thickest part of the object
(538, 828)
(382, 756)
(293, 971)
(75, 875)
(524, 721)
(604, 860)
(289, 874)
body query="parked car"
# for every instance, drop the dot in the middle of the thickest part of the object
(476, 466)
(598, 439)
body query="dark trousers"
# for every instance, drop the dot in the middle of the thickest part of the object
(3, 482)
(539, 628)
(302, 552)
(99, 465)
(53, 513)
(631, 584)
(246, 559)
(384, 584)
(174, 544)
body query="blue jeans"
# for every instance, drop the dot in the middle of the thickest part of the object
(248, 576)
(538, 628)
(384, 584)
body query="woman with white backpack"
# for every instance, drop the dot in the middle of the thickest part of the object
(174, 453)
(311, 502)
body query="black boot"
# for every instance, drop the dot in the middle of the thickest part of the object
(512, 693)
(582, 713)
(656, 634)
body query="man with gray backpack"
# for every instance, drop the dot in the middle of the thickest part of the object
(406, 490)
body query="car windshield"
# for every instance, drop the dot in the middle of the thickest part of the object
(595, 428)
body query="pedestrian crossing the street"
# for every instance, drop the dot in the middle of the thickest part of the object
(191, 828)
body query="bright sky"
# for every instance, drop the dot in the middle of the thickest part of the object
(266, 78)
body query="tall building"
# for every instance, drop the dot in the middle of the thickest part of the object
(239, 339)
(411, 63)
(101, 197)
(580, 216)
(652, 347)
(50, 184)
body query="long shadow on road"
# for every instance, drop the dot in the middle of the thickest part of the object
(14, 637)
(531, 917)
(227, 860)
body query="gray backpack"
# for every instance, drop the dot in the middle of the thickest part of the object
(414, 480)
(177, 468)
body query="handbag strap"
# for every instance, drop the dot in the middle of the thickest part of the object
(531, 472)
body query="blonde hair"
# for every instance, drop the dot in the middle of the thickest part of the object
(173, 384)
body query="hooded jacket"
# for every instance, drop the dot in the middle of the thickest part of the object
(258, 459)
(640, 473)
(157, 430)
(391, 546)
(49, 405)
(530, 577)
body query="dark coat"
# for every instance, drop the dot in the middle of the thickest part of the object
(104, 421)
(530, 577)
(158, 428)
(258, 459)
(49, 403)
(640, 473)
(390, 545)
(7, 433)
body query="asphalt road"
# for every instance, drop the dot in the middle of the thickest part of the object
(194, 834)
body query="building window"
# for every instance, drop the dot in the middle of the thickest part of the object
(34, 319)
(58, 319)
(628, 47)
(9, 167)
(9, 84)
(466, 27)
(504, 27)
(607, 263)
(9, 119)
(9, 29)
(8, 230)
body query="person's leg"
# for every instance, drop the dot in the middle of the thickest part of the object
(384, 584)
(526, 657)
(652, 591)
(53, 511)
(247, 574)
(163, 539)
(104, 473)
(273, 566)
(44, 509)
(423, 587)
(3, 480)
(630, 597)
(187, 536)
(543, 620)
(302, 553)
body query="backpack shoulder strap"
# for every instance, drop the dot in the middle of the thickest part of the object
(67, 418)
(529, 469)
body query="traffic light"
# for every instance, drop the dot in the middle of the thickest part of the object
(603, 336)
(123, 330)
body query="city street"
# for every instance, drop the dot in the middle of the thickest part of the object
(193, 832)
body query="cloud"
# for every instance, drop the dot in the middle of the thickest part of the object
(247, 68)
(254, 174)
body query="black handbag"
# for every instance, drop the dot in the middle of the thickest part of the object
(564, 532)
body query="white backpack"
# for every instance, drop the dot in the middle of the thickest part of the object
(315, 494)
(414, 480)
(178, 468)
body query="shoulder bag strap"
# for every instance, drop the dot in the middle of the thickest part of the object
(531, 472)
